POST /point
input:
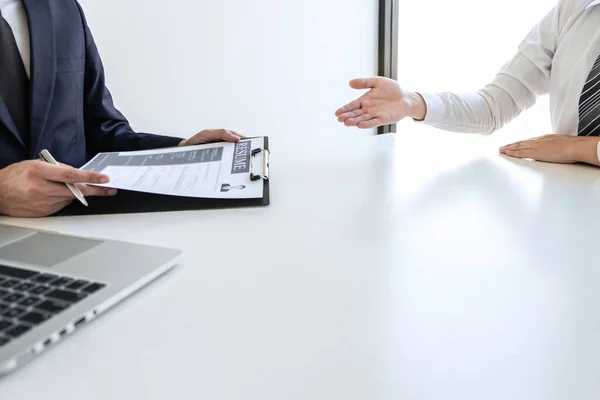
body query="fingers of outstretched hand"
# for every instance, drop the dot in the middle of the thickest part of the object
(355, 121)
(352, 106)
(363, 83)
(372, 123)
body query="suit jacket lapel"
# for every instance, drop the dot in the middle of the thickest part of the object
(43, 68)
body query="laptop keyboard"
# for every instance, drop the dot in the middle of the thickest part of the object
(29, 298)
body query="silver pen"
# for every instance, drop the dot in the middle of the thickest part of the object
(46, 156)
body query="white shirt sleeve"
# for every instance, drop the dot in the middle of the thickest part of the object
(514, 89)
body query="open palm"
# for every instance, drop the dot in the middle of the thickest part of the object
(385, 103)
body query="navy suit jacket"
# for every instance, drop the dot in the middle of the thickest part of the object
(72, 112)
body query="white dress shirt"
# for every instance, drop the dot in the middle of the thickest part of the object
(14, 13)
(555, 58)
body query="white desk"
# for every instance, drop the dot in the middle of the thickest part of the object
(379, 272)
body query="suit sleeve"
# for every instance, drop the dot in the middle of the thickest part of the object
(106, 129)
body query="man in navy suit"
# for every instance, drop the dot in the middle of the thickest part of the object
(53, 96)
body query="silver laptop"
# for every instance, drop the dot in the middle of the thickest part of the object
(51, 285)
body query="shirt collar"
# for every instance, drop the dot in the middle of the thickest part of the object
(593, 3)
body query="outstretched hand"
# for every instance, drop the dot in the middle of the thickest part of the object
(385, 103)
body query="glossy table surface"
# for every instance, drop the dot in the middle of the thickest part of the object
(420, 267)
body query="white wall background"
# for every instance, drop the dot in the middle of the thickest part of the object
(261, 67)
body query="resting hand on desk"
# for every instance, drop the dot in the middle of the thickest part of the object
(211, 135)
(561, 149)
(37, 189)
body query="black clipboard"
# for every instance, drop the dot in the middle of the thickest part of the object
(130, 202)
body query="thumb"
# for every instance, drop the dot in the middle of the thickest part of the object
(364, 83)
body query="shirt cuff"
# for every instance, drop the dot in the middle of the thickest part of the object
(436, 109)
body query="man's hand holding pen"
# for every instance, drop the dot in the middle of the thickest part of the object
(37, 189)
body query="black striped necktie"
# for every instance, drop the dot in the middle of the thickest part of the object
(589, 104)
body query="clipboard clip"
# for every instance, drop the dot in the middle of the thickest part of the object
(265, 166)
